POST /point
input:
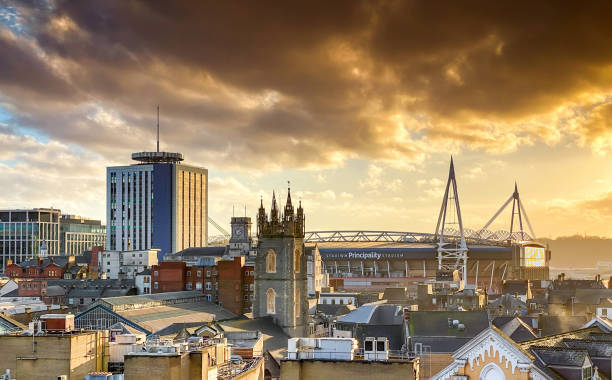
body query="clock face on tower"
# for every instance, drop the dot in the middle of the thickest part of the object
(239, 232)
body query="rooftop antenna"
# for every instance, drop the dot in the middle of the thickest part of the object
(158, 128)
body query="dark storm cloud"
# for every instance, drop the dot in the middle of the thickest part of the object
(306, 83)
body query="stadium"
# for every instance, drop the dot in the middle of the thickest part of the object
(374, 260)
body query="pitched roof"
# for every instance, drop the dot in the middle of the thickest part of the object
(8, 323)
(482, 343)
(274, 337)
(201, 251)
(560, 356)
(436, 323)
(518, 330)
(594, 348)
(125, 329)
(515, 286)
(375, 314)
(554, 324)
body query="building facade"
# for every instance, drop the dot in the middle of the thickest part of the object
(157, 203)
(281, 286)
(78, 234)
(25, 234)
(118, 264)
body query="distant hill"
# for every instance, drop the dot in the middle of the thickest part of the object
(579, 251)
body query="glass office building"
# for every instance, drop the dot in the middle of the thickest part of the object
(158, 203)
(78, 234)
(25, 233)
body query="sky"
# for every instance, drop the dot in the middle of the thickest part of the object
(360, 104)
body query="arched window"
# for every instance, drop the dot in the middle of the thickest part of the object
(271, 301)
(492, 372)
(271, 261)
(296, 261)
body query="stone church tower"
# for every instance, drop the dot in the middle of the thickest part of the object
(281, 285)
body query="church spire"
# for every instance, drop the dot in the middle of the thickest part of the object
(274, 211)
(289, 207)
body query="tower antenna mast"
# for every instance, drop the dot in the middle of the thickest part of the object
(158, 128)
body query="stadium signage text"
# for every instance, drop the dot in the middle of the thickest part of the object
(373, 255)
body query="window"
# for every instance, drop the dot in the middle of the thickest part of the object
(271, 261)
(246, 297)
(156, 273)
(155, 285)
(341, 301)
(208, 297)
(251, 287)
(188, 273)
(189, 286)
(368, 345)
(492, 372)
(207, 273)
(198, 286)
(296, 260)
(297, 303)
(587, 373)
(271, 299)
(199, 274)
(246, 286)
(208, 286)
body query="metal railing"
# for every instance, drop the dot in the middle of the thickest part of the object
(356, 355)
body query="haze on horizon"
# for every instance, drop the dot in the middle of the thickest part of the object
(359, 104)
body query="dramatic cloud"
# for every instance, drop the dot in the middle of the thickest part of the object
(306, 85)
(275, 86)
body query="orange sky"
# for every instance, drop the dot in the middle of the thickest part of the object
(359, 104)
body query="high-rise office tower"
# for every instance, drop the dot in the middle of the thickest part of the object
(158, 203)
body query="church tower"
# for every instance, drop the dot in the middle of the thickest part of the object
(281, 285)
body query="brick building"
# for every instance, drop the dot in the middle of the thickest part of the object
(236, 284)
(49, 268)
(169, 276)
(229, 283)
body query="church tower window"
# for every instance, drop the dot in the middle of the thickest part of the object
(298, 256)
(271, 301)
(271, 261)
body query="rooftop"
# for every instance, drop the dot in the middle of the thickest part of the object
(150, 300)
(157, 157)
(560, 356)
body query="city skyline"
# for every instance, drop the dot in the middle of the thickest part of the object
(359, 105)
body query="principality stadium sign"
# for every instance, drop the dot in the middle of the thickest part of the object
(371, 255)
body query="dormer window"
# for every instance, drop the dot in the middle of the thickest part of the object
(587, 373)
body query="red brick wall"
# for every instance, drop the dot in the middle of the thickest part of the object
(31, 288)
(170, 276)
(230, 282)
(52, 271)
(14, 270)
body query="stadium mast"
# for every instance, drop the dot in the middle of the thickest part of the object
(518, 210)
(452, 248)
